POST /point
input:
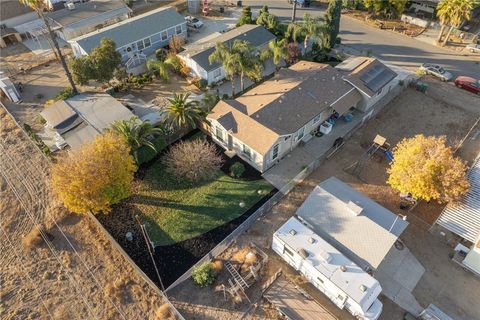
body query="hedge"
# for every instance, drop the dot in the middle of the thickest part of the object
(146, 154)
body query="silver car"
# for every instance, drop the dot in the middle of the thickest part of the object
(474, 47)
(436, 71)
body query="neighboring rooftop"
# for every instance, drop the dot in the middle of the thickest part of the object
(255, 34)
(284, 104)
(356, 283)
(367, 74)
(463, 217)
(358, 226)
(132, 29)
(12, 8)
(87, 10)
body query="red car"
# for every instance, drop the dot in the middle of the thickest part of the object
(467, 83)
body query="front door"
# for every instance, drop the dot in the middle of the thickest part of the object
(230, 142)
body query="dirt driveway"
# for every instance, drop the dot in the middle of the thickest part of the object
(444, 283)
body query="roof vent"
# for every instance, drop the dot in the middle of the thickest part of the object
(363, 288)
(303, 253)
(292, 232)
(311, 240)
(354, 208)
(343, 268)
(327, 257)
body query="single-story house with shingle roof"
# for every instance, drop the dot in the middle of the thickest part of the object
(81, 18)
(370, 77)
(142, 34)
(269, 121)
(196, 55)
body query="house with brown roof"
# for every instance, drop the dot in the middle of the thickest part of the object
(370, 77)
(269, 121)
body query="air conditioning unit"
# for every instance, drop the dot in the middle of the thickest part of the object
(70, 5)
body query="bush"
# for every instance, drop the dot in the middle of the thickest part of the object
(224, 96)
(185, 71)
(64, 94)
(202, 83)
(160, 54)
(193, 160)
(146, 154)
(237, 169)
(39, 142)
(204, 275)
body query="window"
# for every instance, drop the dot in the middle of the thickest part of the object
(156, 37)
(316, 119)
(178, 29)
(140, 45)
(146, 42)
(164, 35)
(247, 151)
(275, 152)
(300, 133)
(219, 133)
(287, 251)
(217, 73)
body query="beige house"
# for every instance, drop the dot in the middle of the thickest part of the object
(269, 121)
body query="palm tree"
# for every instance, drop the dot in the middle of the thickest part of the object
(248, 61)
(278, 49)
(312, 28)
(39, 7)
(160, 68)
(454, 13)
(181, 112)
(294, 32)
(136, 132)
(294, 10)
(224, 54)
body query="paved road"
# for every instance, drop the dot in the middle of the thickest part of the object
(392, 47)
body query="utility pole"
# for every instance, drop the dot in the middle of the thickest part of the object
(148, 243)
(294, 11)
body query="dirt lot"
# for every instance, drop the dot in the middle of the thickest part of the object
(81, 276)
(445, 284)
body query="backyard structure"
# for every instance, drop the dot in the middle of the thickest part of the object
(81, 18)
(285, 111)
(370, 77)
(136, 37)
(463, 220)
(79, 119)
(196, 55)
(340, 279)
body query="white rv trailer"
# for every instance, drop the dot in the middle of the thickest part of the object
(341, 280)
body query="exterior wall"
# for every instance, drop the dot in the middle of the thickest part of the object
(255, 159)
(366, 103)
(196, 69)
(419, 6)
(86, 26)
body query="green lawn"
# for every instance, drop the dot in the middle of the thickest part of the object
(178, 211)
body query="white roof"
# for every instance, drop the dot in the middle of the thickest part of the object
(328, 261)
(463, 217)
(356, 225)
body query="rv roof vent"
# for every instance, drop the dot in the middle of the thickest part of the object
(354, 208)
(292, 232)
(363, 288)
(343, 268)
(303, 253)
(327, 257)
(311, 240)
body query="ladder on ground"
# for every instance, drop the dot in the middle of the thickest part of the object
(236, 276)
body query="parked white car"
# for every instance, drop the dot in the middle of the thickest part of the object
(474, 47)
(193, 22)
(436, 71)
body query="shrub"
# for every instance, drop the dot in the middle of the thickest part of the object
(160, 54)
(237, 169)
(38, 141)
(145, 153)
(64, 94)
(185, 71)
(193, 160)
(224, 96)
(202, 83)
(33, 238)
(204, 275)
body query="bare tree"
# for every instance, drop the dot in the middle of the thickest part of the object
(194, 160)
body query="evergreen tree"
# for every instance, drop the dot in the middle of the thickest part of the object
(332, 23)
(246, 17)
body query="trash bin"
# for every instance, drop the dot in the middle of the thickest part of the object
(239, 3)
(222, 9)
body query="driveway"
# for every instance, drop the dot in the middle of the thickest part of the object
(391, 47)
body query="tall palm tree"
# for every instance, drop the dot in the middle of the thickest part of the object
(312, 28)
(160, 67)
(454, 13)
(39, 7)
(224, 54)
(294, 10)
(248, 61)
(136, 132)
(181, 112)
(278, 49)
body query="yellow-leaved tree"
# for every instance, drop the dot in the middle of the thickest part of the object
(427, 168)
(96, 176)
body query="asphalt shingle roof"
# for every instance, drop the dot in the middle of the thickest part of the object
(132, 29)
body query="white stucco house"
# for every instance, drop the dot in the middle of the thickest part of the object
(269, 121)
(196, 55)
(136, 37)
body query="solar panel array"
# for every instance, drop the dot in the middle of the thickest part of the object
(377, 77)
